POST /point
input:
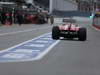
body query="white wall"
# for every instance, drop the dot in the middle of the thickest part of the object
(64, 5)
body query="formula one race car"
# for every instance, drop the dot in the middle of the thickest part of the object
(34, 17)
(69, 30)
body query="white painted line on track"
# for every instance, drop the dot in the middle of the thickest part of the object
(21, 54)
(35, 45)
(95, 28)
(25, 51)
(22, 43)
(40, 41)
(23, 31)
(46, 51)
(40, 56)
(13, 55)
(34, 59)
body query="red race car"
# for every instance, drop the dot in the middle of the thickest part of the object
(69, 30)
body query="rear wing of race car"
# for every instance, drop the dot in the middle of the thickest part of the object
(69, 20)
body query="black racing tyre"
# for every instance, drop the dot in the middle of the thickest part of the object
(82, 34)
(41, 21)
(55, 33)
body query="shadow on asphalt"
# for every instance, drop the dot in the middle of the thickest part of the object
(70, 39)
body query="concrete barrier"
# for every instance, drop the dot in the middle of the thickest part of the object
(71, 13)
(96, 23)
(79, 19)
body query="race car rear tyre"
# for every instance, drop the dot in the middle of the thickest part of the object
(82, 34)
(55, 33)
(41, 22)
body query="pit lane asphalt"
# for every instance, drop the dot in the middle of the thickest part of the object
(69, 57)
(13, 35)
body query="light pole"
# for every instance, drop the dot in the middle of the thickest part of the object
(93, 6)
(50, 6)
(93, 9)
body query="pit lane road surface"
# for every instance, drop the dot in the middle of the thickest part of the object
(68, 57)
(13, 35)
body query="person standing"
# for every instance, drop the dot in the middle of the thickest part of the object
(8, 20)
(19, 17)
(52, 19)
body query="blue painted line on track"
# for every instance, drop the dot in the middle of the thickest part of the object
(28, 50)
